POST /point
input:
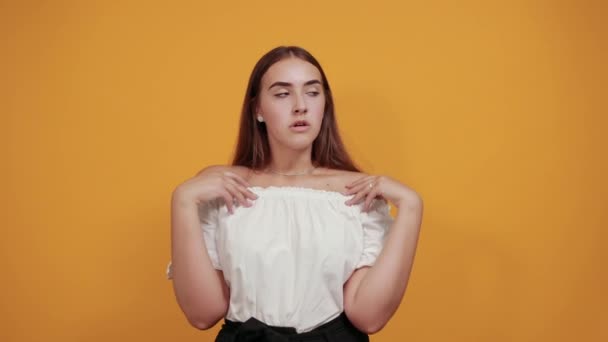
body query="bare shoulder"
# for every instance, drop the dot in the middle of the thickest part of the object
(239, 170)
(338, 179)
(242, 171)
(212, 168)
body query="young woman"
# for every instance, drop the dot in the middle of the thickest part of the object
(291, 242)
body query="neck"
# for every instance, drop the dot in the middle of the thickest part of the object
(291, 162)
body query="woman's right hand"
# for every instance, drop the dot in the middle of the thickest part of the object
(214, 182)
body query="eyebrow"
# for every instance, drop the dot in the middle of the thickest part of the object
(287, 84)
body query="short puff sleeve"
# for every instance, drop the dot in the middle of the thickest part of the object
(375, 224)
(208, 218)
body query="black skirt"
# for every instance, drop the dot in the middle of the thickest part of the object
(340, 329)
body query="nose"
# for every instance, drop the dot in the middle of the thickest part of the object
(300, 105)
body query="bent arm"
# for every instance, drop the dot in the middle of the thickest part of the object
(200, 289)
(373, 294)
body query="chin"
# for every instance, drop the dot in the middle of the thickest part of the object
(298, 147)
(300, 143)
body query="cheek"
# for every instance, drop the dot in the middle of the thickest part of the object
(276, 114)
(272, 110)
(318, 108)
(319, 103)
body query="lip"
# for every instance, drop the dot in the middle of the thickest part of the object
(300, 121)
(300, 128)
(304, 128)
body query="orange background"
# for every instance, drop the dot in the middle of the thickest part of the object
(494, 111)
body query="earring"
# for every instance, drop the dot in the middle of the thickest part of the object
(260, 118)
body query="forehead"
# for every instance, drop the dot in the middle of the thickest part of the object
(292, 70)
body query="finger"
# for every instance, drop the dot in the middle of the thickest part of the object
(360, 192)
(246, 192)
(233, 199)
(358, 197)
(243, 190)
(356, 187)
(370, 197)
(358, 181)
(359, 187)
(228, 200)
(238, 178)
(247, 195)
(232, 188)
(243, 184)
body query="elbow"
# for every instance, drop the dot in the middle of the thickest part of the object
(207, 320)
(204, 323)
(366, 325)
(372, 327)
(201, 325)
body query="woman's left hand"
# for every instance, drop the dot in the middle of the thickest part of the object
(379, 186)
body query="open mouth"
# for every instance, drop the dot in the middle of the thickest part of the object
(301, 123)
(300, 126)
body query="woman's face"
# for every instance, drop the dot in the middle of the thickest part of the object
(291, 91)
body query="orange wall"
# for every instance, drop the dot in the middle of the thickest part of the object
(494, 112)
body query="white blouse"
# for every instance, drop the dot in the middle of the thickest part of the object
(286, 258)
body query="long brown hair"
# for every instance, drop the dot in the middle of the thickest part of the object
(253, 149)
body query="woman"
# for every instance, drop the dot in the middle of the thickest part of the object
(291, 242)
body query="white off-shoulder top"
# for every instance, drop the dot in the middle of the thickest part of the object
(286, 258)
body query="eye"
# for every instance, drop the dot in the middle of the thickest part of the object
(313, 93)
(281, 94)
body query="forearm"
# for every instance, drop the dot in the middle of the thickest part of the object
(381, 288)
(200, 291)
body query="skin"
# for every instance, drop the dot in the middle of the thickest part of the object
(290, 92)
